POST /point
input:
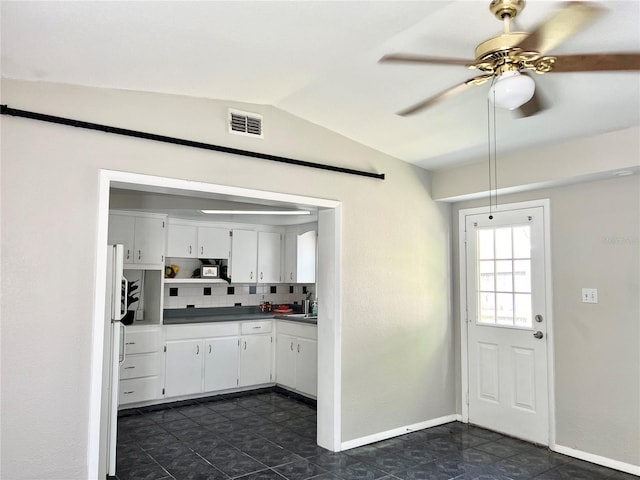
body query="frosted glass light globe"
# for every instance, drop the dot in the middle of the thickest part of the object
(512, 90)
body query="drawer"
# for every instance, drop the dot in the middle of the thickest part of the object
(142, 341)
(297, 329)
(146, 365)
(261, 326)
(139, 390)
(203, 330)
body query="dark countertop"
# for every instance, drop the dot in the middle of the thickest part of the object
(181, 316)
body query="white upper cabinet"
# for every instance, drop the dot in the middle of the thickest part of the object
(300, 257)
(244, 256)
(269, 248)
(121, 230)
(182, 241)
(213, 242)
(190, 240)
(143, 237)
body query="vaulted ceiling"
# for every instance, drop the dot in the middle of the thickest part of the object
(319, 60)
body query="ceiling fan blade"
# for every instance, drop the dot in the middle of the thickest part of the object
(597, 62)
(563, 23)
(445, 94)
(411, 58)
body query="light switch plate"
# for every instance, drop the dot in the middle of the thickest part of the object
(589, 295)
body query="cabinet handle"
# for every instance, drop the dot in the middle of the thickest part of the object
(251, 276)
(209, 348)
(139, 254)
(189, 249)
(245, 344)
(201, 250)
(260, 275)
(130, 343)
(292, 346)
(128, 368)
(128, 254)
(197, 349)
(128, 393)
(298, 348)
(291, 276)
(256, 327)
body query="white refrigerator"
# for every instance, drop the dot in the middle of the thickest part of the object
(115, 310)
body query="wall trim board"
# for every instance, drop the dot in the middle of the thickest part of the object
(6, 110)
(597, 459)
(396, 432)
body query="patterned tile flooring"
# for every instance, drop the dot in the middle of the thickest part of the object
(271, 436)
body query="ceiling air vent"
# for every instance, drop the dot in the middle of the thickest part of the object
(244, 123)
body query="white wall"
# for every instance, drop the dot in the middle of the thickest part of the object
(595, 243)
(397, 350)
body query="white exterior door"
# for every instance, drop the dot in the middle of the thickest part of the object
(506, 324)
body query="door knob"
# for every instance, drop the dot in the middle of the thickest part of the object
(538, 334)
(538, 318)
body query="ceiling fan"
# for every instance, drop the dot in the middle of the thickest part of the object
(505, 58)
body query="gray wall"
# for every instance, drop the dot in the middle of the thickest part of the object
(595, 242)
(397, 338)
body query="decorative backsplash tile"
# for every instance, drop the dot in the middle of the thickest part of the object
(219, 296)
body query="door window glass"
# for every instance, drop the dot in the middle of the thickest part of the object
(504, 276)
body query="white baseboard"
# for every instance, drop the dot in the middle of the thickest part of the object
(376, 437)
(597, 459)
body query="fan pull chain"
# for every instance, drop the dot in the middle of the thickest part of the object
(489, 139)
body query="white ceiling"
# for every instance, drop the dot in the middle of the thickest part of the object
(318, 60)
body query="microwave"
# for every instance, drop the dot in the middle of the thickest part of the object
(210, 271)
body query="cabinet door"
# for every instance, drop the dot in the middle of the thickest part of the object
(307, 366)
(121, 228)
(290, 257)
(286, 351)
(183, 370)
(255, 360)
(149, 241)
(221, 363)
(181, 241)
(244, 256)
(269, 244)
(213, 242)
(306, 257)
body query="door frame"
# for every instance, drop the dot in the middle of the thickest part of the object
(328, 279)
(464, 344)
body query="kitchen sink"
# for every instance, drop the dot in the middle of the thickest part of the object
(301, 315)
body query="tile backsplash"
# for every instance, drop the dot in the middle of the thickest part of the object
(224, 295)
(221, 294)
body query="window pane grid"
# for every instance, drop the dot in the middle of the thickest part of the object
(504, 276)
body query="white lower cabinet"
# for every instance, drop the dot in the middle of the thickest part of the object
(213, 357)
(297, 357)
(183, 373)
(141, 370)
(255, 359)
(220, 364)
(307, 366)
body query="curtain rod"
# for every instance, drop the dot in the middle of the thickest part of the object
(6, 110)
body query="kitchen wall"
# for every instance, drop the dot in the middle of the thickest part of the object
(397, 348)
(595, 243)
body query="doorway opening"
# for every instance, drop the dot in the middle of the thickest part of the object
(507, 361)
(328, 284)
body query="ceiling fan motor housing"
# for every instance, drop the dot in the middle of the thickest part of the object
(503, 8)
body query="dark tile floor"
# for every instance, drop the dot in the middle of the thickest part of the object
(270, 436)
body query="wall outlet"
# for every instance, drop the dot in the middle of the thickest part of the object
(589, 295)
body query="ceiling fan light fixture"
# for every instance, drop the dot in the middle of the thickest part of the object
(512, 90)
